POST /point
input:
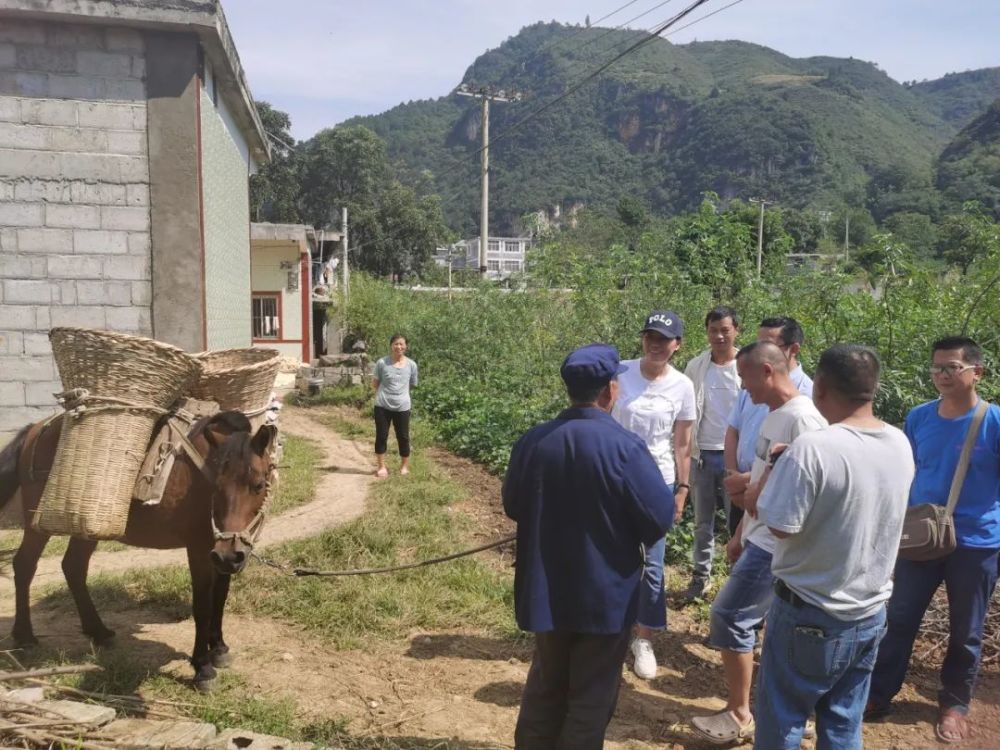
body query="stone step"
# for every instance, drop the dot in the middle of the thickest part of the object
(144, 734)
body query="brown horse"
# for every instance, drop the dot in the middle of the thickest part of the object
(210, 507)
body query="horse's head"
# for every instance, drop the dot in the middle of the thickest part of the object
(240, 465)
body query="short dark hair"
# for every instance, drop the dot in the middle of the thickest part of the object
(585, 392)
(761, 352)
(851, 370)
(971, 351)
(722, 312)
(396, 337)
(791, 331)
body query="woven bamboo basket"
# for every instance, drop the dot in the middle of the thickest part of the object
(237, 379)
(126, 383)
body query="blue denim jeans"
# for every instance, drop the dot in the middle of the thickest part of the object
(742, 602)
(708, 493)
(969, 577)
(813, 662)
(652, 609)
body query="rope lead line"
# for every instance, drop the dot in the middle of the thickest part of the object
(303, 572)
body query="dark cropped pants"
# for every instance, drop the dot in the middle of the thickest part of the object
(400, 421)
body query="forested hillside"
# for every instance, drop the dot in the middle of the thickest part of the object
(671, 122)
(969, 168)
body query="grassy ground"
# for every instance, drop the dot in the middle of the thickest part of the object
(296, 487)
(409, 518)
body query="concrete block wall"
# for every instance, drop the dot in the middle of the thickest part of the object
(74, 198)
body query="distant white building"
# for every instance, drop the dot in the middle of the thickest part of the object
(504, 255)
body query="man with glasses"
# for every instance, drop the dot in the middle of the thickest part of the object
(746, 418)
(937, 431)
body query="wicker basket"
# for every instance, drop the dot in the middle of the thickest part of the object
(237, 379)
(128, 382)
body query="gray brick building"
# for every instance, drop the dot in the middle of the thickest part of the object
(127, 137)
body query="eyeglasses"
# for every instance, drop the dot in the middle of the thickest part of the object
(951, 369)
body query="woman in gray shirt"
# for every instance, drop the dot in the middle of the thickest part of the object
(394, 376)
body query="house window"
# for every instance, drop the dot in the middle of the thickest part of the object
(492, 265)
(493, 246)
(266, 315)
(512, 265)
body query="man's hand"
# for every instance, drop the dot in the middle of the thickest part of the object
(680, 499)
(734, 548)
(736, 484)
(752, 494)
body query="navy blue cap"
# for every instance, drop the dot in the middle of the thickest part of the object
(591, 364)
(666, 323)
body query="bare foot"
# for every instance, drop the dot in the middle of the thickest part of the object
(382, 473)
(405, 470)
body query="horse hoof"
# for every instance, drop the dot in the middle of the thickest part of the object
(206, 685)
(103, 638)
(25, 641)
(222, 659)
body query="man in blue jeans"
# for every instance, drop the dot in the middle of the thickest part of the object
(937, 431)
(742, 603)
(836, 500)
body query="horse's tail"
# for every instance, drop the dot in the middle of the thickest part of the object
(9, 458)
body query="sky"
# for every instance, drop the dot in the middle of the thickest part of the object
(324, 61)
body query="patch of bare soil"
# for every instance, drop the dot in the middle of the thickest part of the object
(461, 689)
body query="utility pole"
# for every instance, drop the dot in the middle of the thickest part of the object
(486, 94)
(847, 236)
(760, 233)
(343, 244)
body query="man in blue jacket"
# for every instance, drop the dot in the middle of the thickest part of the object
(585, 493)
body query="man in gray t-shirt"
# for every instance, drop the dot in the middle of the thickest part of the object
(835, 500)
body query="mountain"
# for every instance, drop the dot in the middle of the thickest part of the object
(669, 122)
(969, 168)
(958, 98)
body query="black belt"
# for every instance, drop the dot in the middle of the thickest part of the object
(784, 593)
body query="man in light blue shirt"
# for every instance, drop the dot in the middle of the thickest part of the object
(746, 417)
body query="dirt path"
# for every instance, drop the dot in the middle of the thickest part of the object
(340, 497)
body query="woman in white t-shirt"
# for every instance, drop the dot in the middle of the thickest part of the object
(656, 401)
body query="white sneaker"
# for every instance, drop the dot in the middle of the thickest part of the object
(644, 665)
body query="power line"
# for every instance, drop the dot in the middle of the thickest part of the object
(619, 27)
(654, 33)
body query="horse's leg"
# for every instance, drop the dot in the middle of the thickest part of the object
(202, 578)
(75, 565)
(25, 564)
(217, 647)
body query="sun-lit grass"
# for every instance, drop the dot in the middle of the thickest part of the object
(408, 518)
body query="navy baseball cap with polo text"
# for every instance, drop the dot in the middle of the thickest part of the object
(593, 364)
(664, 322)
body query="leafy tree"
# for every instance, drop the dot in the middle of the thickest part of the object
(916, 230)
(274, 190)
(714, 249)
(397, 232)
(967, 237)
(343, 166)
